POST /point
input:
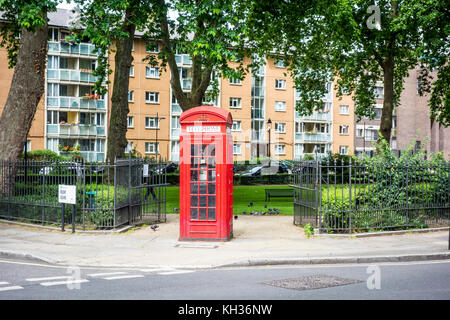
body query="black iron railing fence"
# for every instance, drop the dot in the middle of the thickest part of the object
(338, 196)
(108, 194)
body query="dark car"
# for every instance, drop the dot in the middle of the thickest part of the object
(168, 168)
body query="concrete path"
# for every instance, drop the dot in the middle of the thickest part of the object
(258, 240)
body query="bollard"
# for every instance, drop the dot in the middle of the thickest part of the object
(62, 218)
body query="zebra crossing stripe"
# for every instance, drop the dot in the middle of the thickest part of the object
(58, 283)
(11, 288)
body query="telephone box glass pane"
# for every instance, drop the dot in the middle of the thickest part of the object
(194, 188)
(194, 213)
(202, 188)
(194, 201)
(211, 201)
(211, 175)
(211, 214)
(202, 214)
(194, 175)
(212, 150)
(211, 163)
(202, 201)
(211, 188)
(202, 175)
(194, 150)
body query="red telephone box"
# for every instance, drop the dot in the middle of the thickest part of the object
(206, 174)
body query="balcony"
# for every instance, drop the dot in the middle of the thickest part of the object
(315, 116)
(75, 130)
(84, 49)
(176, 108)
(71, 75)
(313, 137)
(76, 103)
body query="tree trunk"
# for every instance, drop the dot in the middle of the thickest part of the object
(27, 87)
(117, 139)
(388, 103)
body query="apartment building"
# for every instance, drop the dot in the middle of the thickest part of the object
(413, 120)
(265, 122)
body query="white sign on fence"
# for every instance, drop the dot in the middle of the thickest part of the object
(67, 194)
(145, 173)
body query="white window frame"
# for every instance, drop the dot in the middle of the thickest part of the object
(344, 129)
(280, 84)
(130, 95)
(237, 149)
(236, 126)
(151, 123)
(280, 127)
(147, 47)
(150, 148)
(235, 103)
(280, 149)
(341, 107)
(345, 148)
(130, 122)
(132, 71)
(282, 104)
(151, 72)
(235, 82)
(152, 97)
(129, 147)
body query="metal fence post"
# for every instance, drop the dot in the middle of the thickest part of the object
(129, 187)
(350, 195)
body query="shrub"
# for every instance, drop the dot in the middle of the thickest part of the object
(43, 154)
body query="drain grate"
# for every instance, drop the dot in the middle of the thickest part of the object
(311, 282)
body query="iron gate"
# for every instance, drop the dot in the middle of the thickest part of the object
(306, 184)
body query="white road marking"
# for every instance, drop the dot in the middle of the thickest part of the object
(11, 288)
(175, 272)
(48, 278)
(105, 274)
(57, 283)
(125, 277)
(157, 269)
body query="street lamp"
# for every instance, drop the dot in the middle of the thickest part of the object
(157, 129)
(269, 125)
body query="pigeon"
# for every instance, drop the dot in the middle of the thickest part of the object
(235, 217)
(154, 227)
(244, 212)
(175, 209)
(265, 206)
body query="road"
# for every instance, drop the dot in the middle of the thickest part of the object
(29, 280)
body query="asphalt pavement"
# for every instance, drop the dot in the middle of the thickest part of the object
(258, 241)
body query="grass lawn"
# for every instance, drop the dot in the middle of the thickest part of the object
(242, 196)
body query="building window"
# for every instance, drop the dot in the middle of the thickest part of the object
(236, 149)
(151, 147)
(379, 92)
(378, 113)
(152, 47)
(280, 127)
(280, 106)
(343, 109)
(343, 130)
(235, 103)
(130, 122)
(130, 96)
(151, 123)
(280, 149)
(359, 133)
(235, 81)
(53, 34)
(52, 117)
(132, 71)
(343, 150)
(129, 147)
(299, 127)
(152, 73)
(236, 126)
(320, 148)
(280, 63)
(280, 84)
(371, 135)
(151, 97)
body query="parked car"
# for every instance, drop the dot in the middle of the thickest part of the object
(254, 171)
(274, 168)
(168, 168)
(62, 167)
